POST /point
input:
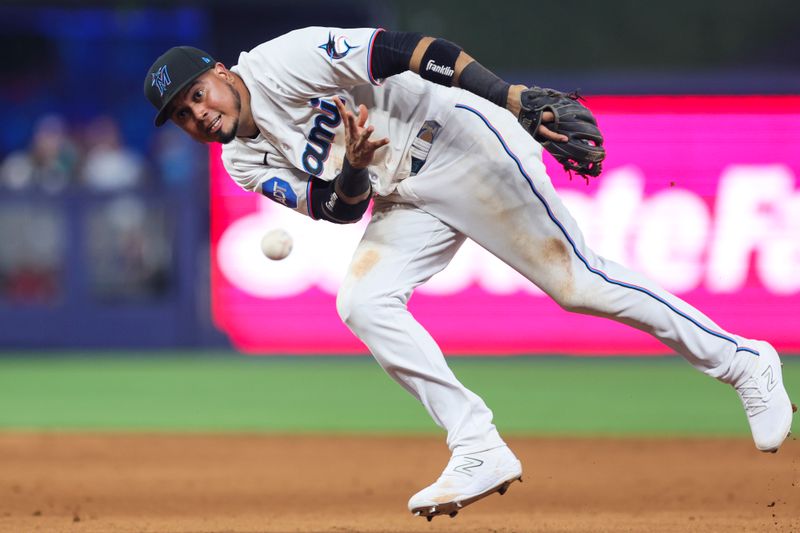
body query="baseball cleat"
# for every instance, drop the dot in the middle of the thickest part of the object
(769, 410)
(466, 479)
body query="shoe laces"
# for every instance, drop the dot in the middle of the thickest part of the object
(753, 397)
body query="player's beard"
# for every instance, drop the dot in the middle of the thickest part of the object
(227, 136)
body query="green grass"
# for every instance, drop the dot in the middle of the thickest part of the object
(231, 392)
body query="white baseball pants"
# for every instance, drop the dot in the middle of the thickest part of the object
(484, 179)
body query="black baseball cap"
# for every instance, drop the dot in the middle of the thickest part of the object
(171, 72)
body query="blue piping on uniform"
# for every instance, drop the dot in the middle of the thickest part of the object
(583, 259)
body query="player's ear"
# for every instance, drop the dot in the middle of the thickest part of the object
(221, 71)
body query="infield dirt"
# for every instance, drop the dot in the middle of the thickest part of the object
(85, 483)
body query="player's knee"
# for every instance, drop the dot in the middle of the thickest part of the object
(344, 305)
(574, 305)
(357, 309)
(573, 300)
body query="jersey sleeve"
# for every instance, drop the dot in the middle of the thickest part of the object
(290, 188)
(286, 186)
(316, 60)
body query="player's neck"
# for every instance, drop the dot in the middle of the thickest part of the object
(247, 125)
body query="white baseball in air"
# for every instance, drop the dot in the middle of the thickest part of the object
(276, 244)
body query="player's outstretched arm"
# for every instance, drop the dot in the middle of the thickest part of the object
(444, 63)
(559, 121)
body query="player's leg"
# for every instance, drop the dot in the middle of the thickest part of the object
(489, 182)
(401, 249)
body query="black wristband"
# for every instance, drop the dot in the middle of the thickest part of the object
(325, 204)
(325, 197)
(479, 80)
(439, 62)
(353, 182)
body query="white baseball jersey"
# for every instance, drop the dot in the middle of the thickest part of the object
(292, 80)
(483, 179)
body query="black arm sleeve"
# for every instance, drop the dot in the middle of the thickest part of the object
(325, 203)
(391, 52)
(477, 79)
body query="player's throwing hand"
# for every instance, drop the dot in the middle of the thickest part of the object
(360, 149)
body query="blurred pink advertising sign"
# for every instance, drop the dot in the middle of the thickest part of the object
(700, 193)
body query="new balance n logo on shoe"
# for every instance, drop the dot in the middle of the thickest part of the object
(468, 464)
(770, 375)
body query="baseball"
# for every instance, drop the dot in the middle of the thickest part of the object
(276, 244)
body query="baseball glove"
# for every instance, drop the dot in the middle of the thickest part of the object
(583, 153)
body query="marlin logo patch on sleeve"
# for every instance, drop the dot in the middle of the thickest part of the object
(161, 80)
(336, 47)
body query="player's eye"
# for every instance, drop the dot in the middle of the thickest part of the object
(198, 94)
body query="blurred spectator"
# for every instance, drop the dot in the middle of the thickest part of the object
(109, 165)
(49, 163)
(128, 244)
(31, 251)
(129, 252)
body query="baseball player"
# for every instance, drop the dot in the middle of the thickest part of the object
(324, 120)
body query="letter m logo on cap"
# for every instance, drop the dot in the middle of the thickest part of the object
(161, 80)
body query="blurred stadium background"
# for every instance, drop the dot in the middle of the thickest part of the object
(158, 374)
(124, 305)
